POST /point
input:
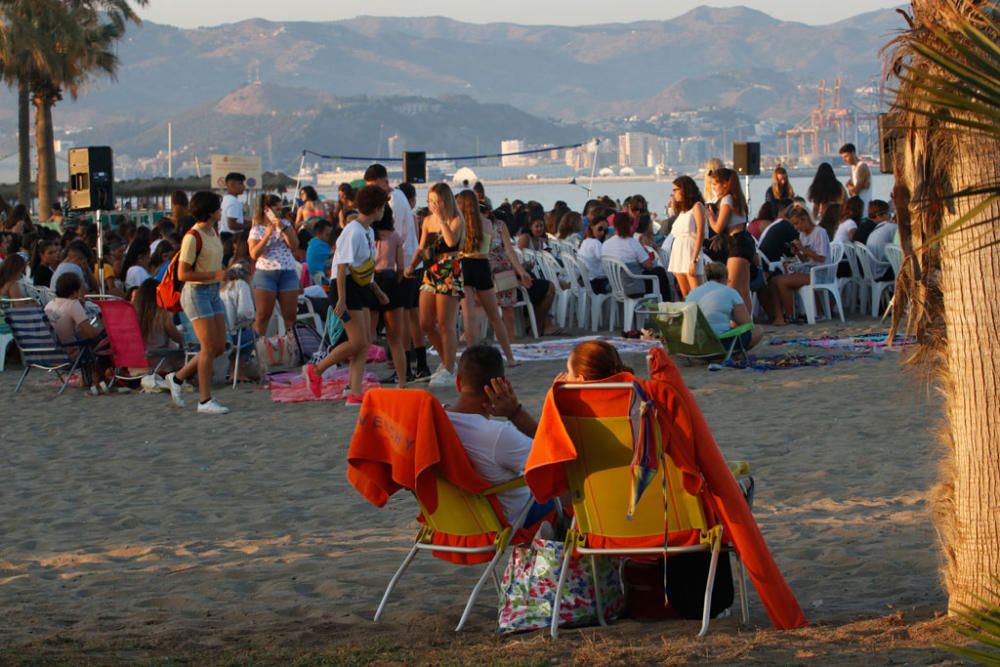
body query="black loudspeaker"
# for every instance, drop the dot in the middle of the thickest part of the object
(91, 179)
(886, 143)
(415, 167)
(746, 158)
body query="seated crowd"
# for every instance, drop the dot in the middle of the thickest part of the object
(381, 262)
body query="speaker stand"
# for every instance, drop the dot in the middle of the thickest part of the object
(100, 253)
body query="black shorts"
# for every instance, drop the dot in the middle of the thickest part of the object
(388, 282)
(357, 297)
(539, 288)
(743, 246)
(476, 273)
(408, 290)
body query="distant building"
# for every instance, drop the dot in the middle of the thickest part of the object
(694, 151)
(513, 146)
(637, 149)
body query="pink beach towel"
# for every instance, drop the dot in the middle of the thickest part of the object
(291, 387)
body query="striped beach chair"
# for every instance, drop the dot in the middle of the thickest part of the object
(37, 342)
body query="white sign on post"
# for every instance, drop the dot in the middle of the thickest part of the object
(248, 165)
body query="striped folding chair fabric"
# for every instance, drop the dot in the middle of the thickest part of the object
(36, 341)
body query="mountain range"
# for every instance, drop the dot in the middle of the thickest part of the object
(329, 81)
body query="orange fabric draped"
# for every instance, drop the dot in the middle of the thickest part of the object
(689, 442)
(402, 437)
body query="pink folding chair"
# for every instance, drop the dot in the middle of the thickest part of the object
(125, 337)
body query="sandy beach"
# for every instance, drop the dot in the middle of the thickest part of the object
(136, 532)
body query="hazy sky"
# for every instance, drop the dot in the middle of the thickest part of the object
(190, 13)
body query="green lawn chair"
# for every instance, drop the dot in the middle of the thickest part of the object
(698, 341)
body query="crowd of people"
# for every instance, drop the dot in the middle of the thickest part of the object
(385, 263)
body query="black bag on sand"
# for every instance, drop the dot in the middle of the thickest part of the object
(308, 339)
(687, 575)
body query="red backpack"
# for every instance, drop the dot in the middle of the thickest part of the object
(168, 292)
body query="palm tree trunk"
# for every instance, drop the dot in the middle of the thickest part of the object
(45, 146)
(968, 516)
(24, 145)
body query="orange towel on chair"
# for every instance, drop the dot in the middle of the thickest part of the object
(689, 442)
(402, 437)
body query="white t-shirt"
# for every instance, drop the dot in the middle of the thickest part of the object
(135, 276)
(354, 246)
(844, 230)
(735, 219)
(883, 234)
(717, 302)
(231, 208)
(277, 256)
(405, 223)
(66, 267)
(498, 452)
(590, 253)
(65, 316)
(818, 241)
(628, 250)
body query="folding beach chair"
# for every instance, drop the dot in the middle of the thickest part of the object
(461, 518)
(694, 338)
(125, 336)
(37, 342)
(666, 519)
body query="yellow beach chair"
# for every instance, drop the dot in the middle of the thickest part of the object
(462, 518)
(600, 478)
(404, 441)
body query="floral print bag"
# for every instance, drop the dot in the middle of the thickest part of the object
(529, 587)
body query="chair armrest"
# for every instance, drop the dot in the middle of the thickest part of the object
(509, 485)
(739, 468)
(822, 273)
(737, 331)
(641, 276)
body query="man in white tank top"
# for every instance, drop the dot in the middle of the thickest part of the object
(860, 184)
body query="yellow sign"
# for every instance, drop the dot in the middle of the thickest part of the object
(248, 165)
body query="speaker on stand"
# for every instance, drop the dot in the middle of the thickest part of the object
(91, 188)
(746, 162)
(415, 166)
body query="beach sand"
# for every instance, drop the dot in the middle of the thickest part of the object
(136, 532)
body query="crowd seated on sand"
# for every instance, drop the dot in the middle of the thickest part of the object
(383, 264)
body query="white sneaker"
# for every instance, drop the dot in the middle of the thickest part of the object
(213, 407)
(175, 390)
(444, 378)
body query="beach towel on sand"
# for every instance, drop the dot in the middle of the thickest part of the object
(689, 442)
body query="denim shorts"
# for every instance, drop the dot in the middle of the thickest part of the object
(276, 280)
(201, 301)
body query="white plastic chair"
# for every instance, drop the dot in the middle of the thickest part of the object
(617, 272)
(823, 282)
(595, 301)
(894, 255)
(871, 270)
(564, 296)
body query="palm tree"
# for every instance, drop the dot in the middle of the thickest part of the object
(80, 52)
(25, 53)
(947, 164)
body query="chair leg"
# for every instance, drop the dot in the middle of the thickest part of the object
(563, 572)
(597, 593)
(490, 570)
(742, 589)
(706, 615)
(27, 369)
(392, 582)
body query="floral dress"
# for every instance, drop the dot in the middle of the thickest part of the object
(500, 262)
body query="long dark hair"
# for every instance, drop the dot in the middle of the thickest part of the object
(39, 249)
(12, 268)
(135, 252)
(825, 186)
(690, 193)
(144, 302)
